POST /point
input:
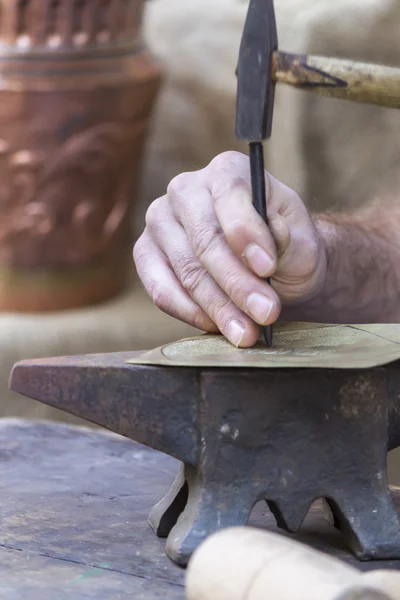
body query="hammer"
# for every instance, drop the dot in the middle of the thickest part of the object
(248, 564)
(261, 66)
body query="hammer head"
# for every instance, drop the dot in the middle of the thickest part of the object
(255, 87)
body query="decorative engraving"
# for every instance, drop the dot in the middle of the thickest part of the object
(78, 89)
(68, 23)
(68, 208)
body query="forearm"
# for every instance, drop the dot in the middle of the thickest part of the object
(362, 281)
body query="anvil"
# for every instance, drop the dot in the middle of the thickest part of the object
(287, 436)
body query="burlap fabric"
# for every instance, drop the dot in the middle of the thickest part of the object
(128, 323)
(334, 153)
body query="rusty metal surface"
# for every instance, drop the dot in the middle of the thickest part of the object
(151, 406)
(77, 93)
(288, 437)
(90, 538)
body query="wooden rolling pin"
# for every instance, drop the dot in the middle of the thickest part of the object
(359, 82)
(248, 564)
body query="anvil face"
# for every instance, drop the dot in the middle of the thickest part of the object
(243, 435)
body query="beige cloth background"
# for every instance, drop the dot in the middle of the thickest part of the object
(333, 153)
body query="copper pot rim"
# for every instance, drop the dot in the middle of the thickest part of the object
(133, 66)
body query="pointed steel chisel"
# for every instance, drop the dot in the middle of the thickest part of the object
(255, 98)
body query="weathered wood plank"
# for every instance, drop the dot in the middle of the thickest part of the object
(25, 576)
(83, 496)
(74, 504)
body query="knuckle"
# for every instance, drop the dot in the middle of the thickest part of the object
(161, 297)
(178, 184)
(191, 275)
(228, 159)
(235, 188)
(233, 286)
(237, 232)
(220, 307)
(200, 321)
(153, 212)
(205, 239)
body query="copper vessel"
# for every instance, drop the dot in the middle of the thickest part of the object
(77, 88)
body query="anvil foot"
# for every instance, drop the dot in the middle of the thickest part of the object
(190, 512)
(209, 508)
(369, 521)
(166, 513)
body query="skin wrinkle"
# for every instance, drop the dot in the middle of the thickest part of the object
(192, 275)
(205, 242)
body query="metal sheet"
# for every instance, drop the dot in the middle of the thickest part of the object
(295, 345)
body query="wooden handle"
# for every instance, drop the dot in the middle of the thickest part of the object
(250, 564)
(359, 82)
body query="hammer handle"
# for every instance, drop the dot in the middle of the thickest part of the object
(359, 82)
(247, 564)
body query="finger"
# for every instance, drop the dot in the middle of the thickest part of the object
(245, 231)
(281, 233)
(247, 234)
(210, 249)
(230, 166)
(171, 240)
(163, 287)
(205, 292)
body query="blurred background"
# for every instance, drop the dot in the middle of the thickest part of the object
(335, 154)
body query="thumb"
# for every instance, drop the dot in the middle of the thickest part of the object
(280, 232)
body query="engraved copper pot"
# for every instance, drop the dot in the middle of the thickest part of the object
(77, 89)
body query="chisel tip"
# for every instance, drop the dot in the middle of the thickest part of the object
(268, 334)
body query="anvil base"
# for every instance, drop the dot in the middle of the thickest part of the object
(286, 436)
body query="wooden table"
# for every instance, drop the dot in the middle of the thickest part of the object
(74, 506)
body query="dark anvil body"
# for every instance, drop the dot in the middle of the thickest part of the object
(289, 436)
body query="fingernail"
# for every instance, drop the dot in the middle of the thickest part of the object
(259, 307)
(235, 332)
(259, 260)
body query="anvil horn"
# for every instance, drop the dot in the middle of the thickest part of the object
(152, 406)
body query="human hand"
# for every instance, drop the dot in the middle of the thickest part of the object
(205, 252)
